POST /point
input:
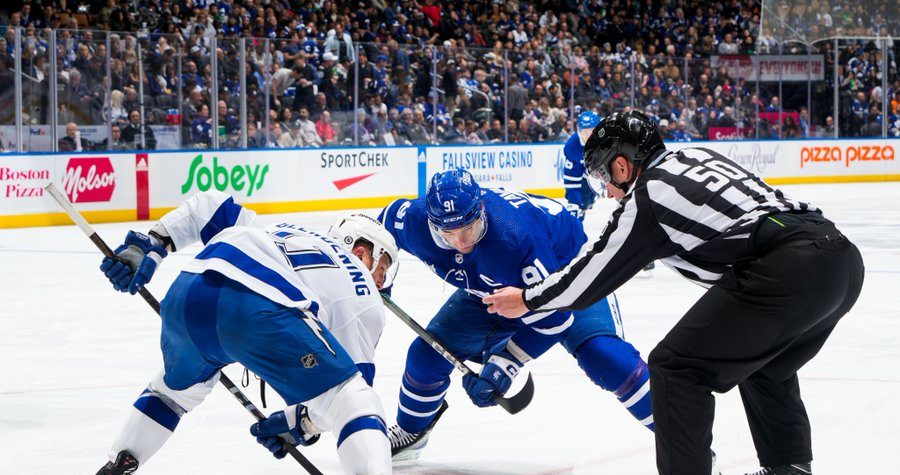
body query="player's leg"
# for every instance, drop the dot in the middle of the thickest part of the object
(186, 381)
(771, 396)
(611, 362)
(305, 364)
(155, 415)
(753, 315)
(353, 412)
(461, 325)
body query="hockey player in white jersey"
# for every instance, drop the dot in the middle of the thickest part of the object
(292, 305)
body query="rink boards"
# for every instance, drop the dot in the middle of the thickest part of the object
(109, 187)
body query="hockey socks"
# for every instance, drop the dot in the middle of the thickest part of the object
(419, 403)
(616, 366)
(155, 415)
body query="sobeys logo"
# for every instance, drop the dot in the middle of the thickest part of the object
(223, 178)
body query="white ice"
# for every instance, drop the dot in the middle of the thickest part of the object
(75, 354)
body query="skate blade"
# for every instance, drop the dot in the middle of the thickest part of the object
(408, 456)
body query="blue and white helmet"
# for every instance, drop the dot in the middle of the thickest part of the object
(588, 120)
(453, 200)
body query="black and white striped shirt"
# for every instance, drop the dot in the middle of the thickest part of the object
(694, 210)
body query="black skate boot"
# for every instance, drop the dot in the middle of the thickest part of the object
(792, 469)
(408, 446)
(125, 463)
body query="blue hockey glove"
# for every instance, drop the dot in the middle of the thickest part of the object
(290, 423)
(496, 377)
(136, 261)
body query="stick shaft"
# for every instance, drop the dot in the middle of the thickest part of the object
(428, 337)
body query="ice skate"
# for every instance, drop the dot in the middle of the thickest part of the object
(408, 446)
(792, 469)
(125, 463)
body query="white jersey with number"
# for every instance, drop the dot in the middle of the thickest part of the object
(286, 263)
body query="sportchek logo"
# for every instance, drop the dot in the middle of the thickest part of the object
(847, 154)
(243, 178)
(89, 179)
(345, 182)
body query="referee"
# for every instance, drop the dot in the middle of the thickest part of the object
(779, 277)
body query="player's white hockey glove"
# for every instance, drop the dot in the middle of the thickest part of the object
(293, 422)
(575, 210)
(136, 261)
(496, 376)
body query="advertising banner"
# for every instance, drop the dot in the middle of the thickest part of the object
(293, 180)
(811, 161)
(731, 133)
(36, 138)
(127, 186)
(93, 183)
(772, 67)
(537, 168)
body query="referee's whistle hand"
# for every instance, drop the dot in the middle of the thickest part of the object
(506, 302)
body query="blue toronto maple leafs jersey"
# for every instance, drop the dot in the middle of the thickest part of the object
(573, 174)
(527, 237)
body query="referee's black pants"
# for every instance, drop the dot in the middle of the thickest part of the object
(755, 328)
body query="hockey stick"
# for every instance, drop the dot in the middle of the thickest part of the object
(151, 300)
(513, 404)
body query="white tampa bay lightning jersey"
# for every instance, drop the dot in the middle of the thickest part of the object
(287, 264)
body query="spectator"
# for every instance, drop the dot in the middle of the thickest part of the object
(117, 110)
(304, 79)
(325, 129)
(228, 119)
(308, 131)
(201, 128)
(682, 134)
(664, 130)
(286, 120)
(339, 43)
(291, 137)
(114, 142)
(457, 133)
(73, 142)
(410, 130)
(790, 130)
(803, 123)
(518, 97)
(135, 131)
(435, 111)
(827, 130)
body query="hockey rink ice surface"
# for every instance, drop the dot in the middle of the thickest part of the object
(75, 354)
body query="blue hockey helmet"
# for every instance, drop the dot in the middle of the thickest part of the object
(588, 120)
(453, 200)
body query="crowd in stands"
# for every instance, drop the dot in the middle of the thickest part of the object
(413, 72)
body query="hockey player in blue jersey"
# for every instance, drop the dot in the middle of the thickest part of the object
(265, 298)
(479, 240)
(579, 192)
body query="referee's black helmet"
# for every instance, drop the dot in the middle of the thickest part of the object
(629, 134)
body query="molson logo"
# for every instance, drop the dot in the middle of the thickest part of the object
(846, 154)
(89, 179)
(223, 178)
